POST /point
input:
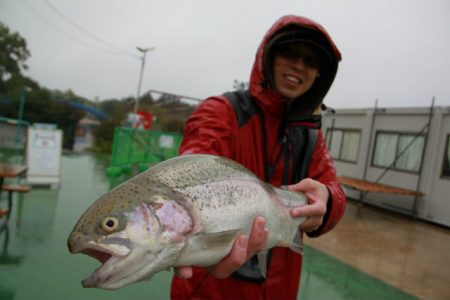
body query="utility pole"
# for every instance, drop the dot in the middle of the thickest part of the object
(144, 54)
(20, 117)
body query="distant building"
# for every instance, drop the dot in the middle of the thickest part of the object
(401, 147)
(13, 134)
(84, 137)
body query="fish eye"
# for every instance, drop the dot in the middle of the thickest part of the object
(109, 224)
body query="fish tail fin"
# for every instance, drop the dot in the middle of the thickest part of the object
(290, 235)
(297, 243)
(290, 199)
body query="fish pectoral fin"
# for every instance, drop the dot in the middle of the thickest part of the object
(166, 258)
(262, 261)
(215, 239)
(206, 249)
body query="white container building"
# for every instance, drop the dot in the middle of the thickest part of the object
(407, 148)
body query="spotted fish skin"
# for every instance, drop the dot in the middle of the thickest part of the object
(184, 211)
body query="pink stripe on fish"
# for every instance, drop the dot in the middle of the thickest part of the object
(175, 219)
(145, 216)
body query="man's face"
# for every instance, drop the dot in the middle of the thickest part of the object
(295, 68)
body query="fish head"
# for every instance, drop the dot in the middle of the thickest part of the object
(134, 230)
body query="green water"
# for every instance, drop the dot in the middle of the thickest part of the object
(35, 262)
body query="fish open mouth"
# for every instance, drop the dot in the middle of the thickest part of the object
(103, 257)
(112, 253)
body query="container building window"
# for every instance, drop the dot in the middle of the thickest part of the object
(343, 144)
(407, 148)
(446, 163)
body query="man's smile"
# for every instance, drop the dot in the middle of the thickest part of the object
(293, 79)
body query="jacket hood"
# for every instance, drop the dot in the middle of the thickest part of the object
(260, 82)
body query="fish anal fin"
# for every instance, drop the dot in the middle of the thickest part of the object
(262, 260)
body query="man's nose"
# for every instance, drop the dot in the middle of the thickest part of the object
(299, 63)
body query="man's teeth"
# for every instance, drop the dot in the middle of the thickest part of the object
(292, 79)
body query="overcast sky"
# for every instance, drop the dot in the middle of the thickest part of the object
(396, 51)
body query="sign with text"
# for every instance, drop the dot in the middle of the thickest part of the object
(44, 155)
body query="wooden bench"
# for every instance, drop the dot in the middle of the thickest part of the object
(11, 188)
(19, 188)
(364, 187)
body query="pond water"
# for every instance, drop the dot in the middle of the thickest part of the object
(36, 264)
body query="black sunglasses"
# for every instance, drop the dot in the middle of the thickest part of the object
(295, 51)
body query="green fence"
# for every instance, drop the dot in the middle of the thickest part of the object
(141, 148)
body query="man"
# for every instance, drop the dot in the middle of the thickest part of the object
(273, 130)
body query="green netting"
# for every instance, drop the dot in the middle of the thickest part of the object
(134, 147)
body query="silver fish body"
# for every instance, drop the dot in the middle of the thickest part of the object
(184, 211)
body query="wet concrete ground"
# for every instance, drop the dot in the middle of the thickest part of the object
(408, 254)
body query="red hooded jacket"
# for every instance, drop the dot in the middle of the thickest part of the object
(214, 129)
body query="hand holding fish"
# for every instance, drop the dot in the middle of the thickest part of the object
(317, 196)
(243, 249)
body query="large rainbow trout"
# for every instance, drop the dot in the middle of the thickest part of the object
(185, 211)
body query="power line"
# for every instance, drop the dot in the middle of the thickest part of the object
(52, 7)
(67, 34)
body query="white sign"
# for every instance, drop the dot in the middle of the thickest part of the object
(44, 148)
(166, 141)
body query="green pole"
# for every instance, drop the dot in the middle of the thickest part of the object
(19, 118)
(19, 124)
